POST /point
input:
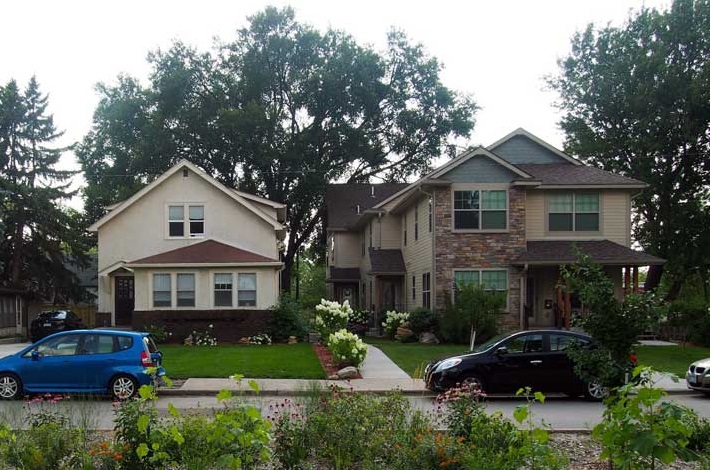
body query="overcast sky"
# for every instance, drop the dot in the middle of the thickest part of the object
(496, 50)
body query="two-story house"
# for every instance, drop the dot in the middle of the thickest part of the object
(506, 216)
(188, 252)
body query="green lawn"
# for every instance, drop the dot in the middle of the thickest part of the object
(278, 361)
(674, 359)
(413, 357)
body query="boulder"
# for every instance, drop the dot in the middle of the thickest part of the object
(347, 373)
(428, 338)
(293, 340)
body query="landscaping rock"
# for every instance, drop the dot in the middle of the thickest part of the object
(333, 377)
(348, 373)
(293, 340)
(314, 337)
(243, 340)
(428, 338)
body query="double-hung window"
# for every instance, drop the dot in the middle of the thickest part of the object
(186, 290)
(426, 292)
(417, 222)
(223, 290)
(178, 225)
(246, 290)
(480, 210)
(574, 212)
(494, 280)
(161, 290)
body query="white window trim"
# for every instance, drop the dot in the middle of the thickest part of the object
(480, 187)
(256, 291)
(173, 293)
(186, 220)
(481, 270)
(212, 275)
(235, 289)
(577, 233)
(428, 290)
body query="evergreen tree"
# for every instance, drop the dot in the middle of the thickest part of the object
(40, 237)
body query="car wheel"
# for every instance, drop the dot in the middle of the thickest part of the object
(10, 386)
(473, 384)
(596, 391)
(123, 387)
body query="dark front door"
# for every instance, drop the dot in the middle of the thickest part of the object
(123, 305)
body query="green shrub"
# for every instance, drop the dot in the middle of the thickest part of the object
(691, 316)
(159, 332)
(455, 323)
(286, 320)
(423, 320)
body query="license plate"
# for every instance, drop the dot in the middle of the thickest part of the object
(691, 379)
(47, 324)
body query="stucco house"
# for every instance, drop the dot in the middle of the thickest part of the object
(506, 216)
(188, 252)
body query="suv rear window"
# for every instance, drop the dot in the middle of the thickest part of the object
(148, 341)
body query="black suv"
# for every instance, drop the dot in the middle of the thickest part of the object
(54, 321)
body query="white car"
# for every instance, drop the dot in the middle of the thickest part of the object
(697, 377)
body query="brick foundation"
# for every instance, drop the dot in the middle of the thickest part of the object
(229, 326)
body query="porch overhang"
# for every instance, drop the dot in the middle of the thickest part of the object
(343, 275)
(603, 252)
(386, 262)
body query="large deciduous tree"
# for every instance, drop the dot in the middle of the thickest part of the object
(41, 238)
(280, 111)
(636, 101)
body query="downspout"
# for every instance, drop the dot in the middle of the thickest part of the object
(433, 278)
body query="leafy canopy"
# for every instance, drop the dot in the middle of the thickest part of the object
(635, 101)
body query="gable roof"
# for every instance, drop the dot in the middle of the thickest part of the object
(524, 133)
(346, 203)
(208, 252)
(605, 252)
(580, 176)
(235, 195)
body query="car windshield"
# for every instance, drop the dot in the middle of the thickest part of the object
(57, 315)
(486, 345)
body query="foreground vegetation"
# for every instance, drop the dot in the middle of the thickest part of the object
(336, 429)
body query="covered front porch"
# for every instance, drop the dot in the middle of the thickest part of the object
(546, 304)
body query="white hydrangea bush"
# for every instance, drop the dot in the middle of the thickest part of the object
(332, 316)
(393, 320)
(347, 348)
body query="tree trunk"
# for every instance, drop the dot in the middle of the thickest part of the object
(286, 272)
(472, 338)
(654, 276)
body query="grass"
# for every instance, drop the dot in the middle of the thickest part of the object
(413, 357)
(278, 361)
(674, 359)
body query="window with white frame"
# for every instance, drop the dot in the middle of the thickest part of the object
(426, 297)
(185, 285)
(161, 290)
(573, 212)
(223, 289)
(246, 290)
(495, 280)
(179, 225)
(480, 210)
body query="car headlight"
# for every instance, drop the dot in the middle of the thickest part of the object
(448, 364)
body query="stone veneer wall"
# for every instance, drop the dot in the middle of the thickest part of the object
(227, 325)
(479, 250)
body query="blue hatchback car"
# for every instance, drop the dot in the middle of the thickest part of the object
(82, 361)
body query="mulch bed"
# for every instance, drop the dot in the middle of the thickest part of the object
(326, 359)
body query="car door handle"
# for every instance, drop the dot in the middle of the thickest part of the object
(537, 361)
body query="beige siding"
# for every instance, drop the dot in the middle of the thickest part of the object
(267, 288)
(390, 232)
(347, 249)
(615, 222)
(418, 253)
(141, 230)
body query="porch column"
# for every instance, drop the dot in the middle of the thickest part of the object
(635, 279)
(627, 280)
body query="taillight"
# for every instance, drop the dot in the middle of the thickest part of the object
(146, 360)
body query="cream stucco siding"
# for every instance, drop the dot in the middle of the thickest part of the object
(141, 229)
(417, 254)
(267, 288)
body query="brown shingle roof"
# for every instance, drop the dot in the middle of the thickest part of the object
(343, 274)
(207, 252)
(605, 252)
(386, 261)
(342, 201)
(567, 174)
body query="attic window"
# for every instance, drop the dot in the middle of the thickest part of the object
(185, 172)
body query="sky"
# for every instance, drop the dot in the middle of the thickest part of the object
(498, 51)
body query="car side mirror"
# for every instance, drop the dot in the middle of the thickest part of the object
(35, 355)
(502, 351)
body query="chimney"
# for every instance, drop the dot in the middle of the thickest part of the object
(372, 191)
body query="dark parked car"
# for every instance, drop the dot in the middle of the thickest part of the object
(82, 361)
(506, 363)
(54, 321)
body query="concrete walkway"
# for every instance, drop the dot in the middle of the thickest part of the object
(379, 366)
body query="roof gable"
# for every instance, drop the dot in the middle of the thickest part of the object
(345, 203)
(185, 164)
(520, 147)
